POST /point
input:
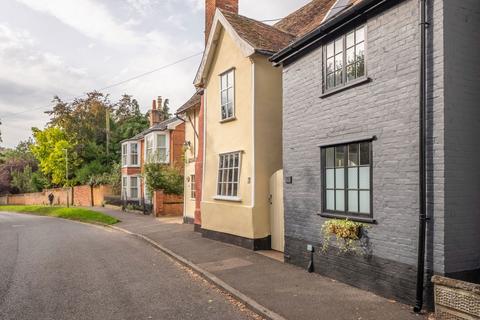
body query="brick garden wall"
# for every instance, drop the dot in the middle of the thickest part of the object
(78, 196)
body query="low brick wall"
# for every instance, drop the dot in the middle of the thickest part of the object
(78, 196)
(167, 204)
(455, 299)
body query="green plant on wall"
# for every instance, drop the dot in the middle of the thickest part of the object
(346, 232)
(163, 177)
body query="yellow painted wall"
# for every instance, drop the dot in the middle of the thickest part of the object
(268, 138)
(191, 125)
(250, 217)
(226, 216)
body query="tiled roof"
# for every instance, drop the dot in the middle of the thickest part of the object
(162, 126)
(307, 18)
(262, 37)
(193, 102)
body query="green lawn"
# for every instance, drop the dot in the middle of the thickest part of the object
(78, 214)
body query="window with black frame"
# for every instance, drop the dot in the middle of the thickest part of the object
(344, 59)
(347, 179)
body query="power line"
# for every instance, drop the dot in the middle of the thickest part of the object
(111, 85)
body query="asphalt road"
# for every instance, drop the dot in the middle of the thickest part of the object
(57, 269)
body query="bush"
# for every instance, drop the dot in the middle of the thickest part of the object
(163, 177)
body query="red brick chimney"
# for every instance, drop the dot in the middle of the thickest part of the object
(211, 6)
(155, 116)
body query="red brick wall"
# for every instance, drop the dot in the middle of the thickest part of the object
(78, 196)
(167, 204)
(177, 140)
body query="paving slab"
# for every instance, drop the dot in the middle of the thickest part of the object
(285, 289)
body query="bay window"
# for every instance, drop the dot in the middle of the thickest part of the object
(130, 154)
(157, 148)
(347, 179)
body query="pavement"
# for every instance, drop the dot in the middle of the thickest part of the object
(288, 292)
(57, 269)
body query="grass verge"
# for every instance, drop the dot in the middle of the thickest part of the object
(77, 214)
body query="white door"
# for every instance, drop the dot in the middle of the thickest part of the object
(276, 211)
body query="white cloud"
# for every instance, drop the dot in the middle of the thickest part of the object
(89, 17)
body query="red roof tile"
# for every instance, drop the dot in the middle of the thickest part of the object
(261, 36)
(307, 18)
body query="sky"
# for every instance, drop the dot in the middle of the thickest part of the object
(70, 47)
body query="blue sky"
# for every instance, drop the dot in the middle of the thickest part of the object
(69, 47)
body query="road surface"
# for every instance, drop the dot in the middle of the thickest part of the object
(56, 269)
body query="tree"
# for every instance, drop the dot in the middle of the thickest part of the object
(27, 180)
(15, 160)
(163, 177)
(50, 149)
(165, 110)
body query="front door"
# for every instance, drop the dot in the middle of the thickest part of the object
(276, 211)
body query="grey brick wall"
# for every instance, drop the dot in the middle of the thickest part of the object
(388, 108)
(462, 152)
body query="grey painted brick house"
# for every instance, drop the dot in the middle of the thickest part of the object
(351, 141)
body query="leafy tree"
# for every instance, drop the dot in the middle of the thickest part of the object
(15, 160)
(50, 149)
(163, 177)
(165, 110)
(23, 180)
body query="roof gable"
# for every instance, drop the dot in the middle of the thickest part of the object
(249, 35)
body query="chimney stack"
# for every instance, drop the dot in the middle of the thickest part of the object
(210, 8)
(155, 116)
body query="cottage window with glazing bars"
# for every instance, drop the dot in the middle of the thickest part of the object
(192, 186)
(345, 59)
(227, 95)
(124, 154)
(134, 182)
(161, 152)
(347, 179)
(134, 154)
(228, 175)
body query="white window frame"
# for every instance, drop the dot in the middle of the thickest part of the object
(127, 187)
(125, 154)
(155, 147)
(130, 187)
(131, 154)
(222, 89)
(229, 197)
(192, 187)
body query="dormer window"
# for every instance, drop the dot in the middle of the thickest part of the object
(344, 59)
(130, 155)
(157, 148)
(227, 95)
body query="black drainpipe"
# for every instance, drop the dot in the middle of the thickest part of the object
(422, 175)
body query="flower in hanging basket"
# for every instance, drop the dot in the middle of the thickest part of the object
(346, 232)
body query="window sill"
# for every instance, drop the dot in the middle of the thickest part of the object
(131, 166)
(352, 84)
(228, 119)
(349, 217)
(232, 199)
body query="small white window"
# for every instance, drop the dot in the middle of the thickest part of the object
(134, 187)
(124, 154)
(228, 175)
(192, 186)
(124, 187)
(134, 154)
(161, 152)
(227, 95)
(149, 149)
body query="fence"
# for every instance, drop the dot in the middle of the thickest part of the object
(79, 196)
(455, 299)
